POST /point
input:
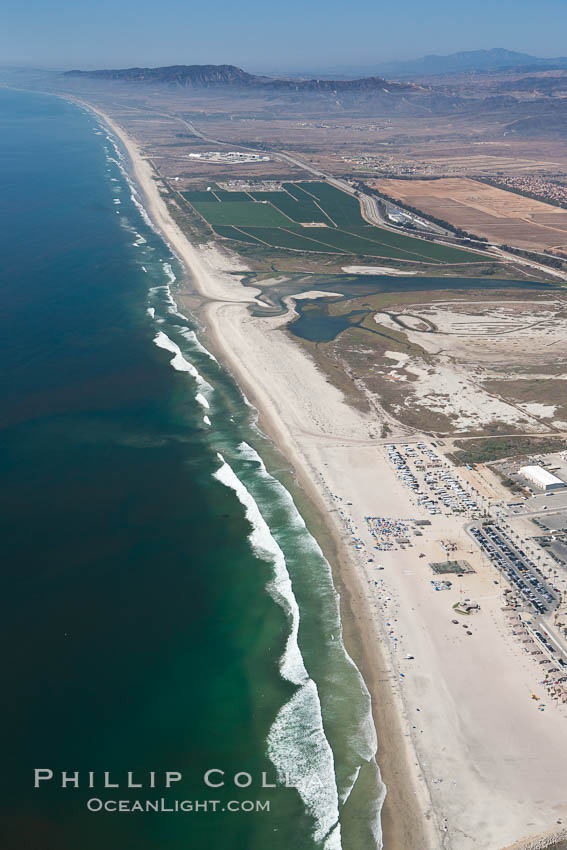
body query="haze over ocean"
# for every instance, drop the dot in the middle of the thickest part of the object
(164, 606)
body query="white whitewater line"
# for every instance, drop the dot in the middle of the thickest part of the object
(333, 840)
(202, 401)
(297, 745)
(119, 161)
(178, 361)
(368, 744)
(169, 272)
(151, 311)
(303, 758)
(192, 337)
(173, 308)
(265, 546)
(364, 742)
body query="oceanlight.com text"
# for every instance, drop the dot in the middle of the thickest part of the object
(95, 804)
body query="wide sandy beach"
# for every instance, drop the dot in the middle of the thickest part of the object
(468, 759)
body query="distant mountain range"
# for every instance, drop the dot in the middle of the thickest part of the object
(469, 61)
(530, 106)
(497, 59)
(230, 75)
(369, 78)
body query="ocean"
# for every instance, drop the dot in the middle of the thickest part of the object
(167, 617)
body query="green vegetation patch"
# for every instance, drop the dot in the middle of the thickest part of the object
(241, 214)
(497, 448)
(294, 190)
(230, 197)
(228, 232)
(409, 248)
(198, 196)
(304, 209)
(292, 237)
(342, 208)
(274, 219)
(352, 243)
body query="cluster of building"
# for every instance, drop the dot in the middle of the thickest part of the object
(547, 190)
(399, 217)
(228, 156)
(537, 643)
(385, 164)
(251, 185)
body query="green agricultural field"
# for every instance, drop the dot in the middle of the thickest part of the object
(230, 197)
(408, 248)
(197, 196)
(237, 233)
(274, 219)
(293, 189)
(304, 209)
(349, 243)
(342, 208)
(292, 237)
(241, 214)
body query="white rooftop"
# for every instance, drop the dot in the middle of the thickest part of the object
(541, 476)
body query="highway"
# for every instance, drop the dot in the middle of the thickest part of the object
(369, 204)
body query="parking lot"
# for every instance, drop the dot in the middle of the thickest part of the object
(436, 484)
(519, 569)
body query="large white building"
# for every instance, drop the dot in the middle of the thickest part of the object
(541, 478)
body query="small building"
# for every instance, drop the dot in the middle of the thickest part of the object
(398, 218)
(541, 478)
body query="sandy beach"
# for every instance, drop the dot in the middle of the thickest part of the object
(468, 759)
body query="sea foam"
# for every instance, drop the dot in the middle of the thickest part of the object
(297, 745)
(191, 337)
(362, 733)
(179, 362)
(200, 398)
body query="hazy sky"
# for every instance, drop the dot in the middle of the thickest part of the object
(268, 35)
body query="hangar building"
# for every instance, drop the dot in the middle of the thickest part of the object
(541, 478)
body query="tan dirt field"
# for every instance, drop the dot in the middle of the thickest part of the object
(501, 216)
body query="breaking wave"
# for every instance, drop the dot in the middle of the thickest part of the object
(297, 745)
(362, 733)
(191, 337)
(178, 361)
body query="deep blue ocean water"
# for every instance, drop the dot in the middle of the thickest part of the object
(164, 607)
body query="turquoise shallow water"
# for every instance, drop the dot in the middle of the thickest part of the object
(164, 607)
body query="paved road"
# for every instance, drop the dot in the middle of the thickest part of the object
(368, 201)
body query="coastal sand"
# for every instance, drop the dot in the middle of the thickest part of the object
(478, 766)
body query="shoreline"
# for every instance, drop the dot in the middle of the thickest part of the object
(486, 789)
(402, 826)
